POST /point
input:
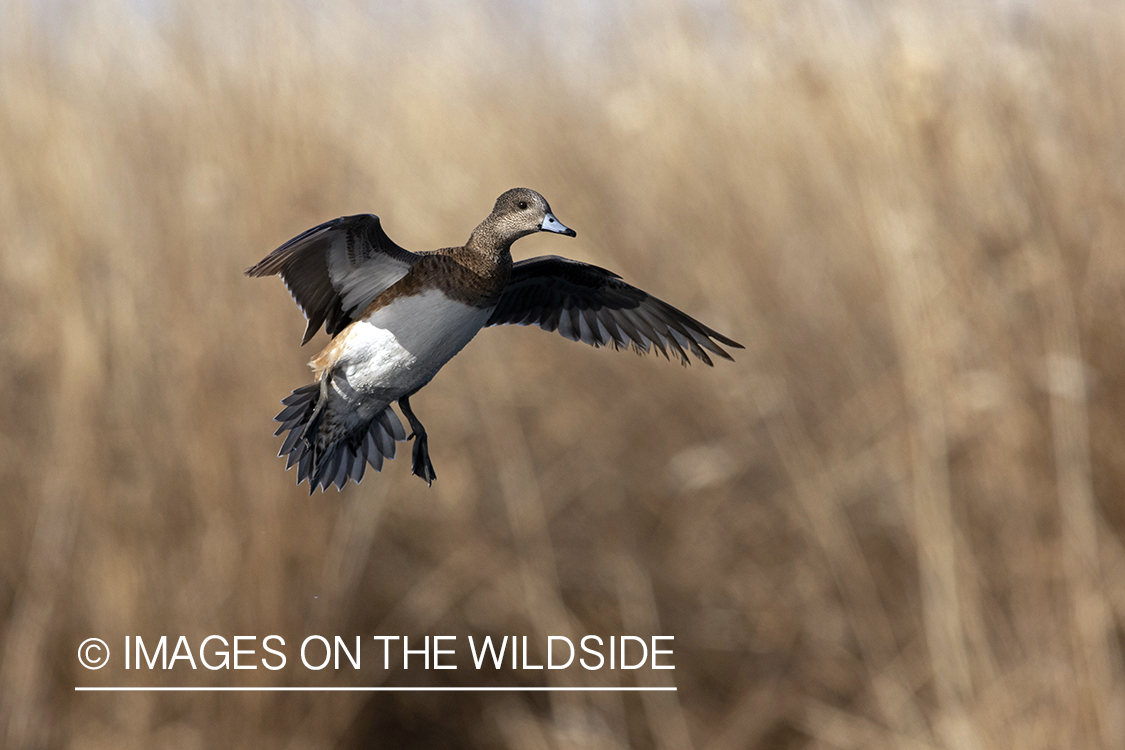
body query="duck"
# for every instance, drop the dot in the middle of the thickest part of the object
(396, 317)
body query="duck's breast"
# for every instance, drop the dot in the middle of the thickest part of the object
(403, 344)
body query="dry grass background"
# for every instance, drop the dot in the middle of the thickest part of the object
(894, 522)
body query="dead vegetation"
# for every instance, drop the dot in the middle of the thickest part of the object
(895, 522)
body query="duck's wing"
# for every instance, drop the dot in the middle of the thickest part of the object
(335, 270)
(590, 304)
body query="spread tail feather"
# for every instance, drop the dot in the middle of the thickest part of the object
(322, 460)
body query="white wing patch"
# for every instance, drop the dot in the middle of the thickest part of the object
(358, 285)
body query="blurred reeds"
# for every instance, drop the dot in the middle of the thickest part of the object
(895, 521)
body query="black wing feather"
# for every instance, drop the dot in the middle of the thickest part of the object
(590, 304)
(336, 269)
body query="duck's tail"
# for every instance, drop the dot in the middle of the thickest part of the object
(327, 453)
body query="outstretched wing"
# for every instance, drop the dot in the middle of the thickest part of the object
(335, 270)
(590, 304)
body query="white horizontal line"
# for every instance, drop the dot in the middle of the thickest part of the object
(369, 689)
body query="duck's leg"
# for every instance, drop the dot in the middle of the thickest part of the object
(422, 466)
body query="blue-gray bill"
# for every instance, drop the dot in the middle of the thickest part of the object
(551, 224)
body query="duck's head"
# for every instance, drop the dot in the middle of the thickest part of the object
(520, 212)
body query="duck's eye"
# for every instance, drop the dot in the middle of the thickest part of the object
(522, 205)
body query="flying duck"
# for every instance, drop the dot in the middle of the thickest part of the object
(397, 317)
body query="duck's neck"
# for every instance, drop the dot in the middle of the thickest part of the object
(489, 242)
(488, 253)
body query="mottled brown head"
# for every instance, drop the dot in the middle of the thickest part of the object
(517, 213)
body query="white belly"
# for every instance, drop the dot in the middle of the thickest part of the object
(403, 345)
